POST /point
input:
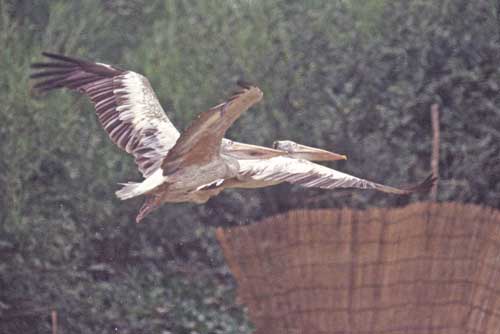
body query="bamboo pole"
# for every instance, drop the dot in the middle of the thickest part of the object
(53, 316)
(435, 148)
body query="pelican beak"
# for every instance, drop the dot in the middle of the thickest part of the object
(248, 151)
(315, 154)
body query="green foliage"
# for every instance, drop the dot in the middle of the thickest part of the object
(354, 77)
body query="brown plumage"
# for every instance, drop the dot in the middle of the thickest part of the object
(201, 141)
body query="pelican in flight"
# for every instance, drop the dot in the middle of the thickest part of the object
(199, 163)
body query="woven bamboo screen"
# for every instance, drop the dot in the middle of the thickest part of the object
(426, 268)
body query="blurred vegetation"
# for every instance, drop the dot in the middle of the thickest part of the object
(357, 77)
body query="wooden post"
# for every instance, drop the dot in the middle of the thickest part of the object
(435, 148)
(53, 316)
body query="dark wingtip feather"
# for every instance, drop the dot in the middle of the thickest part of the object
(63, 71)
(60, 57)
(424, 186)
(49, 73)
(47, 85)
(51, 65)
(244, 84)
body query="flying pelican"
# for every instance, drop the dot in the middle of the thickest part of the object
(176, 167)
(199, 163)
(296, 168)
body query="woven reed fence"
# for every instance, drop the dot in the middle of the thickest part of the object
(425, 268)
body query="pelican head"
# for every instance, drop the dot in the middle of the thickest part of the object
(299, 151)
(246, 151)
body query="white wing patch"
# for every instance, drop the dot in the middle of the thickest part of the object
(138, 106)
(299, 171)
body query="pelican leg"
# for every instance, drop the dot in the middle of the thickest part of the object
(149, 206)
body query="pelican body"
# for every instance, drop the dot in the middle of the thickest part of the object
(198, 163)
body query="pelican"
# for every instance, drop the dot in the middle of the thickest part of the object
(199, 163)
(296, 167)
(176, 167)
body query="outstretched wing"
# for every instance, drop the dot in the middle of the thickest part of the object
(309, 174)
(201, 141)
(124, 101)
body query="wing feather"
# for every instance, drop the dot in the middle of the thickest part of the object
(125, 104)
(309, 174)
(201, 141)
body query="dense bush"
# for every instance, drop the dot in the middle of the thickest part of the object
(354, 77)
